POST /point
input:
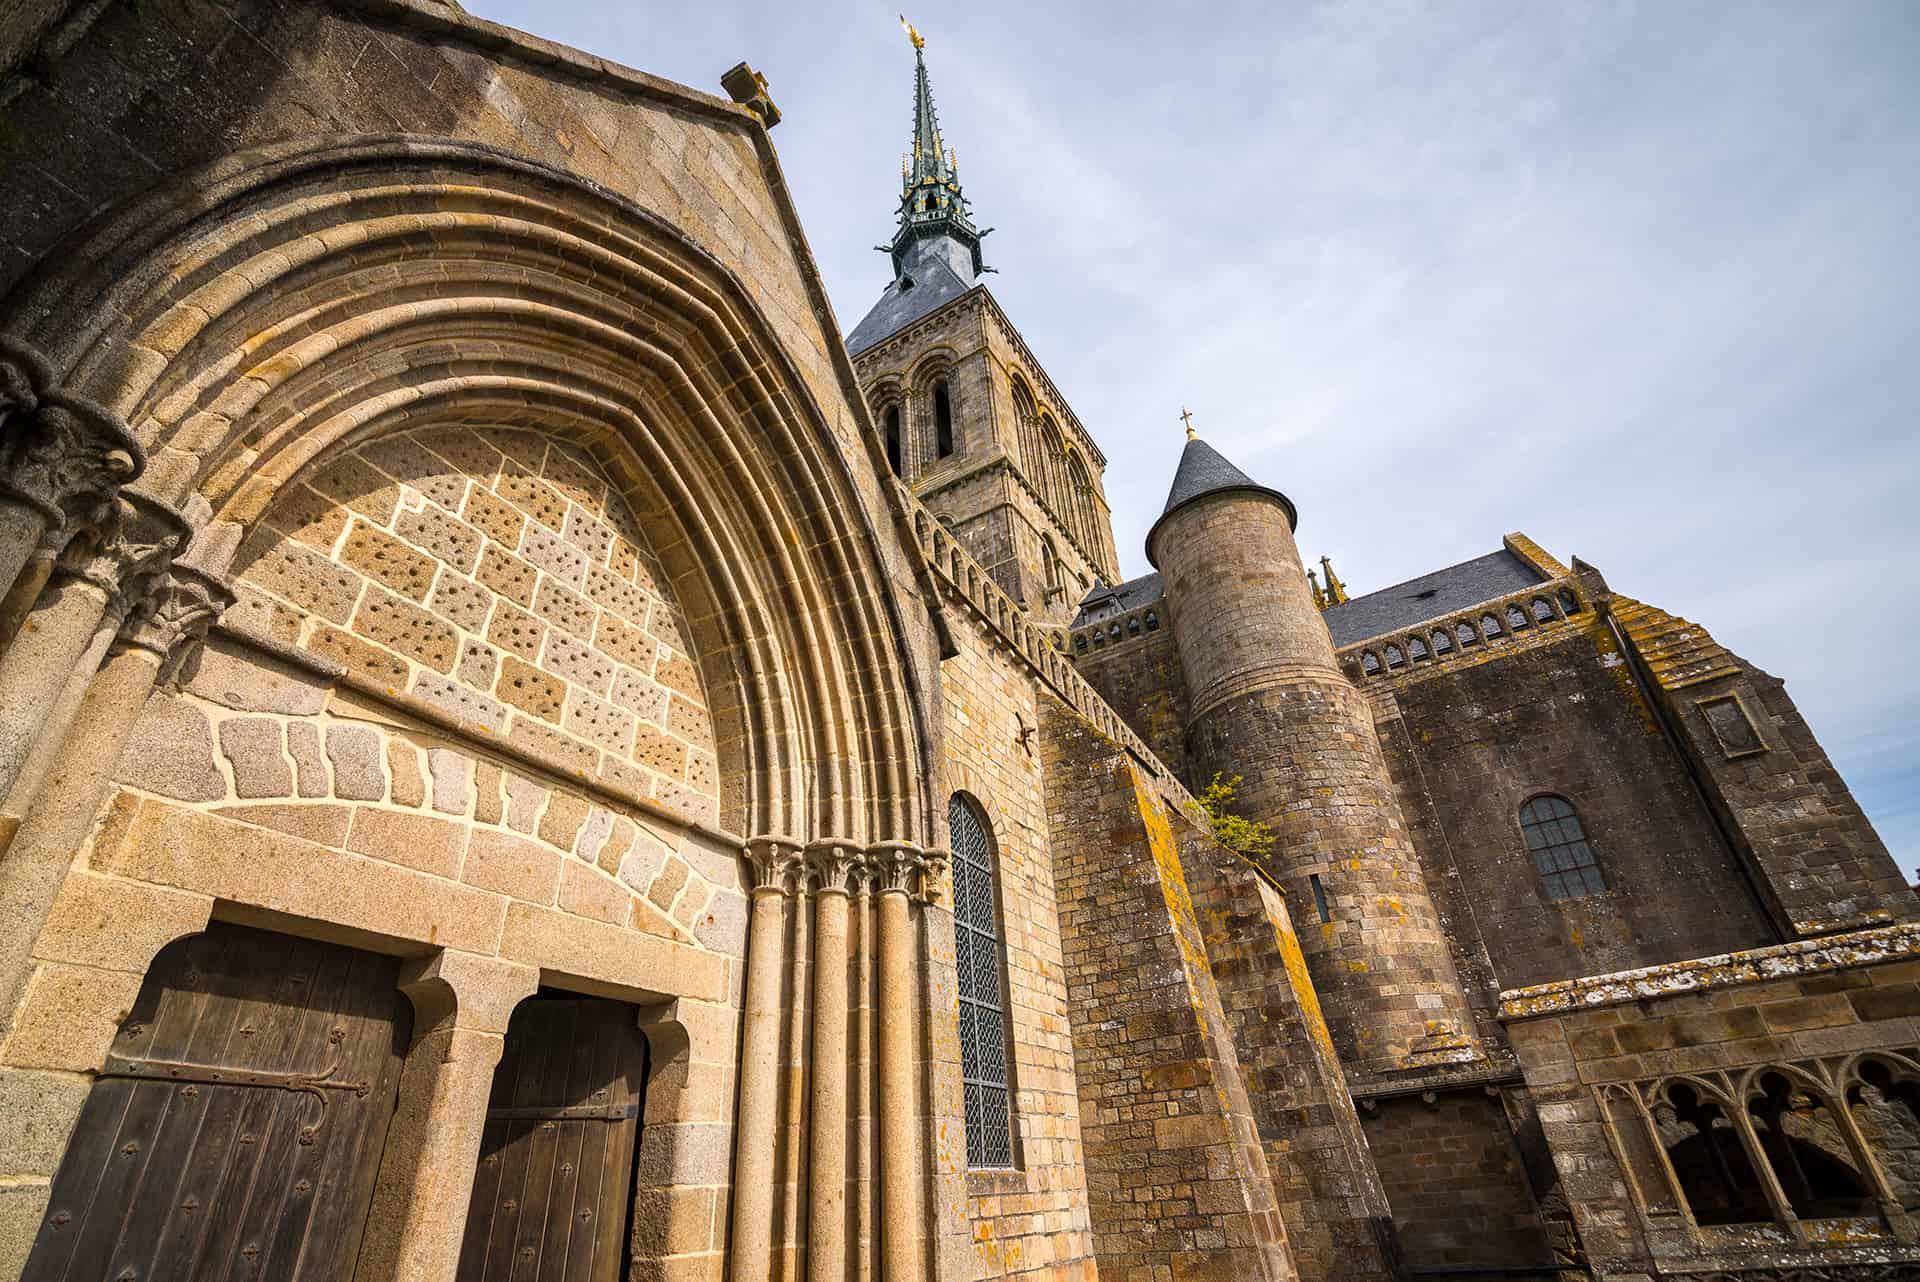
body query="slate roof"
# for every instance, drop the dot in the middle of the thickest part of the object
(1204, 470)
(1127, 596)
(1455, 588)
(935, 284)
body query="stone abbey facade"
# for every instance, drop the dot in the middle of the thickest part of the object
(525, 754)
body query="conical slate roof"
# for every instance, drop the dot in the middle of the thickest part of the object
(1204, 470)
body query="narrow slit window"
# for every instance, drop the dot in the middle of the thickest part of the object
(942, 421)
(1561, 855)
(893, 439)
(979, 961)
(1320, 897)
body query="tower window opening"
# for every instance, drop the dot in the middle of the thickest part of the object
(893, 439)
(942, 421)
(1561, 856)
(1319, 896)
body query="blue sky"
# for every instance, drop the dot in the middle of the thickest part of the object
(1638, 279)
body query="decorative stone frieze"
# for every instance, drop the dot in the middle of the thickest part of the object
(172, 619)
(128, 555)
(833, 865)
(59, 455)
(899, 865)
(777, 863)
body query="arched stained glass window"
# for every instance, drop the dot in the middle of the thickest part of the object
(983, 1020)
(1561, 855)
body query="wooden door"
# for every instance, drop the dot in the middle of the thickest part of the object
(236, 1129)
(556, 1160)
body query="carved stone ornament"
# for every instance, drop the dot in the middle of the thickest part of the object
(173, 620)
(60, 455)
(777, 863)
(902, 866)
(833, 865)
(128, 555)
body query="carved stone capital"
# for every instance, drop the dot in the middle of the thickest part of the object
(901, 866)
(833, 864)
(172, 620)
(60, 455)
(128, 555)
(778, 863)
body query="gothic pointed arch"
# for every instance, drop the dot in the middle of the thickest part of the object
(301, 302)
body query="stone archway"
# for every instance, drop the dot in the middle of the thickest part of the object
(300, 304)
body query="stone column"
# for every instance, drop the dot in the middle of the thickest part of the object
(831, 864)
(157, 637)
(774, 861)
(863, 1086)
(59, 455)
(896, 867)
(462, 1004)
(105, 570)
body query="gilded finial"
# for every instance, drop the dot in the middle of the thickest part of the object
(912, 35)
(1336, 590)
(1186, 416)
(1319, 597)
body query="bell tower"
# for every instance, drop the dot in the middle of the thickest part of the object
(967, 417)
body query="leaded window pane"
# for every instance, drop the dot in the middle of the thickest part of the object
(1566, 864)
(977, 963)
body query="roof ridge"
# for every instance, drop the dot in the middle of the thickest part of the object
(1442, 570)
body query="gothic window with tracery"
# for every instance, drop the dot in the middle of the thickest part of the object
(979, 961)
(1561, 855)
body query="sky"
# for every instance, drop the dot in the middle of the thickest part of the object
(1637, 279)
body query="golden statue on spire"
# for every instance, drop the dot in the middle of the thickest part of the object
(912, 34)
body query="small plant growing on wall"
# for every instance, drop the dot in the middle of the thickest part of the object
(1235, 832)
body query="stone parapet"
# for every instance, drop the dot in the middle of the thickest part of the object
(1032, 644)
(1799, 959)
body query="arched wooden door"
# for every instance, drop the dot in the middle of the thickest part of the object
(551, 1197)
(237, 1127)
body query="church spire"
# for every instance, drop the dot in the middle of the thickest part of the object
(932, 206)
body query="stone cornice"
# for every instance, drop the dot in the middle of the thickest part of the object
(1794, 960)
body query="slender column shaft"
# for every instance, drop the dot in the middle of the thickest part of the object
(17, 604)
(757, 1122)
(37, 666)
(863, 1061)
(827, 1194)
(899, 1148)
(21, 527)
(53, 733)
(35, 865)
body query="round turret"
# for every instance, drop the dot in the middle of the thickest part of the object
(1267, 702)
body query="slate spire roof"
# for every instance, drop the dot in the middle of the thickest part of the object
(1204, 470)
(936, 247)
(931, 202)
